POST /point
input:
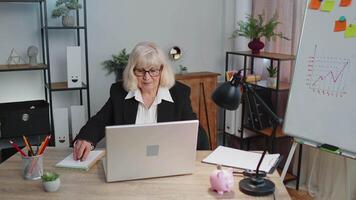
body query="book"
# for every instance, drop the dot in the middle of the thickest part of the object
(253, 78)
(92, 158)
(241, 159)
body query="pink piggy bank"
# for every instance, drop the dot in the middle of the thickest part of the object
(222, 180)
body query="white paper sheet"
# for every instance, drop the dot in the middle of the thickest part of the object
(241, 159)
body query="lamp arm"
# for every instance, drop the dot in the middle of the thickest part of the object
(275, 118)
(248, 88)
(259, 163)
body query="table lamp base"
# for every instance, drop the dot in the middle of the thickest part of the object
(256, 186)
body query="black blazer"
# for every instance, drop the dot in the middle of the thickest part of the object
(119, 111)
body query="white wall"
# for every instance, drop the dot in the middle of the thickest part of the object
(19, 28)
(200, 27)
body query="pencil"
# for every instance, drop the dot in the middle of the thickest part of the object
(28, 146)
(17, 148)
(44, 145)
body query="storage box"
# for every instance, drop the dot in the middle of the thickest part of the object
(24, 118)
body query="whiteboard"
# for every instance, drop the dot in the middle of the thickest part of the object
(322, 100)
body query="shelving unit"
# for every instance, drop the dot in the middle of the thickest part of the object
(45, 66)
(202, 85)
(270, 133)
(275, 60)
(63, 86)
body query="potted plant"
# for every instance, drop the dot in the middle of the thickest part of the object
(255, 28)
(117, 64)
(64, 9)
(183, 69)
(50, 181)
(272, 76)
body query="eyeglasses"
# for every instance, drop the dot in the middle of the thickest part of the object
(154, 72)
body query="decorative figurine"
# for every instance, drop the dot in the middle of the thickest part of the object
(15, 58)
(222, 180)
(32, 53)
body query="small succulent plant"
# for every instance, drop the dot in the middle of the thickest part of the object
(49, 176)
(272, 71)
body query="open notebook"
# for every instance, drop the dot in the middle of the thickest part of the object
(242, 159)
(93, 157)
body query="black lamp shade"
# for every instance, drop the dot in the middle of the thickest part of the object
(227, 96)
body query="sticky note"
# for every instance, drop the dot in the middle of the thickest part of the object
(340, 26)
(345, 3)
(328, 5)
(315, 4)
(350, 31)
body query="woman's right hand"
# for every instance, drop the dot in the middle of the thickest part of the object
(81, 150)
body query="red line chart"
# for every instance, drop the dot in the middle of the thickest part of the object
(327, 75)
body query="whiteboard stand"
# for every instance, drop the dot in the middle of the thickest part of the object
(289, 159)
(297, 141)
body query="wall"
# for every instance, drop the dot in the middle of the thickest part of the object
(198, 27)
(201, 28)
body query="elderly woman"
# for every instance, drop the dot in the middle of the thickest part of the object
(148, 94)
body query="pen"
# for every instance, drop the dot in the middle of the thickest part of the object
(17, 148)
(28, 146)
(44, 145)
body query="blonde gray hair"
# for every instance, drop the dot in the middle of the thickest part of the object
(147, 54)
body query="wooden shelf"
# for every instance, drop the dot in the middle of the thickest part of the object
(283, 86)
(289, 177)
(21, 1)
(22, 67)
(202, 85)
(62, 86)
(267, 131)
(191, 75)
(263, 54)
(64, 27)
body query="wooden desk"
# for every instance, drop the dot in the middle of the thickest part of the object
(91, 185)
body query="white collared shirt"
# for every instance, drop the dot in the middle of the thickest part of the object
(149, 115)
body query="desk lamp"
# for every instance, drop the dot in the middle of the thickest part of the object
(228, 96)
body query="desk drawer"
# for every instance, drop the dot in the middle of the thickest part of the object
(24, 118)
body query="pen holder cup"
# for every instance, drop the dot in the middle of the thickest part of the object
(32, 167)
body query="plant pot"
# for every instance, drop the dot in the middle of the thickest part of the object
(183, 71)
(118, 74)
(51, 186)
(272, 82)
(68, 21)
(256, 45)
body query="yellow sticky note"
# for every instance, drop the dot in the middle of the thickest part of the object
(350, 31)
(328, 5)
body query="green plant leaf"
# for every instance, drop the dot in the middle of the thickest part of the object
(256, 28)
(272, 71)
(63, 7)
(49, 176)
(118, 61)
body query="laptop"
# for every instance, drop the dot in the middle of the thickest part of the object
(150, 150)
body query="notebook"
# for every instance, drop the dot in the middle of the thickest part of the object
(242, 159)
(92, 158)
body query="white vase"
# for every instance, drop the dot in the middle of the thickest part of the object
(272, 82)
(51, 186)
(68, 21)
